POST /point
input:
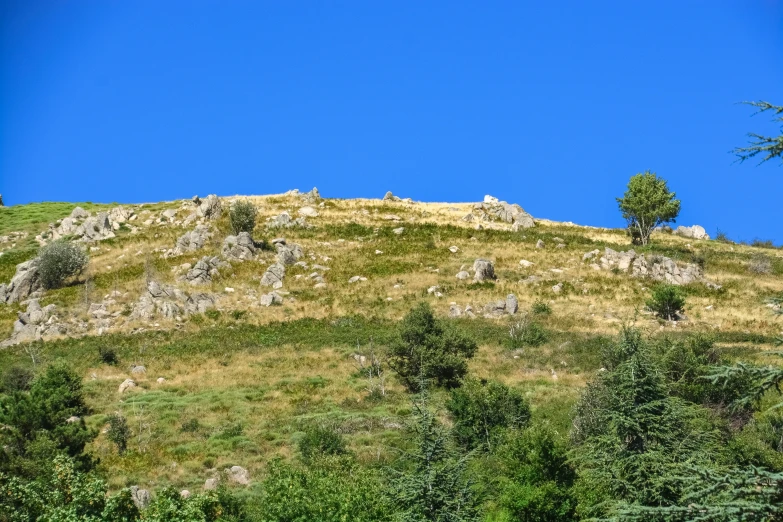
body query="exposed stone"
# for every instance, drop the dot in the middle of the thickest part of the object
(462, 275)
(238, 475)
(34, 324)
(273, 275)
(512, 305)
(160, 380)
(288, 254)
(540, 244)
(272, 298)
(312, 197)
(557, 288)
(525, 263)
(170, 302)
(693, 232)
(138, 370)
(205, 269)
(238, 248)
(211, 484)
(284, 220)
(308, 212)
(658, 268)
(399, 230)
(210, 208)
(79, 213)
(491, 209)
(95, 228)
(453, 249)
(484, 270)
(390, 197)
(191, 241)
(141, 497)
(127, 384)
(455, 311)
(184, 493)
(24, 283)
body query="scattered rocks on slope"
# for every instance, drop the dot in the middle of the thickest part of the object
(127, 384)
(34, 324)
(25, 283)
(274, 276)
(170, 302)
(288, 254)
(658, 268)
(270, 299)
(507, 306)
(693, 232)
(540, 244)
(284, 220)
(190, 241)
(239, 248)
(493, 210)
(206, 268)
(484, 270)
(308, 212)
(210, 208)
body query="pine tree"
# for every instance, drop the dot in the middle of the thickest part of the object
(772, 146)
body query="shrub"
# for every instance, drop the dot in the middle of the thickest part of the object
(429, 349)
(541, 308)
(108, 355)
(482, 409)
(58, 261)
(646, 204)
(526, 333)
(16, 379)
(667, 302)
(319, 441)
(242, 217)
(118, 432)
(760, 264)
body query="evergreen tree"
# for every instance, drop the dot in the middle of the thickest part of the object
(772, 146)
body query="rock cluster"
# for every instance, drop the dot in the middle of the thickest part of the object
(205, 269)
(25, 283)
(274, 276)
(209, 208)
(284, 220)
(272, 298)
(239, 248)
(658, 268)
(288, 254)
(34, 324)
(493, 210)
(190, 241)
(694, 232)
(312, 197)
(507, 306)
(170, 302)
(82, 225)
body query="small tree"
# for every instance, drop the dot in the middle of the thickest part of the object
(430, 350)
(646, 204)
(119, 432)
(482, 409)
(60, 260)
(319, 441)
(772, 146)
(242, 217)
(667, 302)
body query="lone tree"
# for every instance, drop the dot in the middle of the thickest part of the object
(771, 146)
(647, 203)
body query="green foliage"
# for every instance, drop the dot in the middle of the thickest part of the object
(646, 204)
(16, 379)
(526, 332)
(319, 441)
(119, 432)
(434, 485)
(541, 308)
(60, 260)
(667, 301)
(772, 146)
(483, 409)
(330, 489)
(242, 217)
(538, 487)
(37, 430)
(755, 380)
(429, 349)
(108, 355)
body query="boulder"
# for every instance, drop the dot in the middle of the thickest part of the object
(540, 244)
(170, 302)
(399, 230)
(34, 324)
(274, 275)
(141, 497)
(693, 232)
(238, 475)
(483, 270)
(24, 283)
(205, 269)
(390, 197)
(312, 197)
(308, 212)
(211, 484)
(491, 209)
(79, 213)
(96, 228)
(512, 305)
(191, 241)
(127, 384)
(239, 248)
(210, 208)
(462, 275)
(284, 220)
(270, 299)
(288, 254)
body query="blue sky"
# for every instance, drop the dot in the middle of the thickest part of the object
(552, 105)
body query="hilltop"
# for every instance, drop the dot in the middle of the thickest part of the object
(234, 342)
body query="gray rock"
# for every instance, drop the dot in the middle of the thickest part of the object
(484, 270)
(170, 302)
(273, 275)
(462, 275)
(211, 484)
(493, 210)
(191, 241)
(540, 244)
(79, 213)
(238, 475)
(390, 197)
(138, 370)
(399, 230)
(141, 497)
(127, 384)
(96, 228)
(693, 232)
(455, 311)
(238, 248)
(557, 288)
(205, 269)
(308, 212)
(312, 197)
(270, 299)
(210, 208)
(284, 220)
(184, 493)
(512, 305)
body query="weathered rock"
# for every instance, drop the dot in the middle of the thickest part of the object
(540, 244)
(238, 475)
(284, 220)
(399, 230)
(658, 268)
(238, 248)
(170, 302)
(455, 311)
(288, 254)
(512, 305)
(138, 370)
(184, 493)
(211, 484)
(312, 197)
(462, 275)
(453, 249)
(491, 209)
(270, 299)
(24, 283)
(484, 270)
(390, 197)
(34, 324)
(205, 269)
(79, 213)
(274, 275)
(693, 232)
(525, 263)
(210, 208)
(127, 384)
(558, 288)
(191, 241)
(308, 212)
(96, 228)
(141, 497)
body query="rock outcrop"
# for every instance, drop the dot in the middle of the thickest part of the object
(205, 269)
(658, 268)
(239, 248)
(190, 241)
(210, 208)
(34, 324)
(25, 283)
(288, 254)
(284, 220)
(694, 232)
(484, 270)
(274, 276)
(170, 302)
(493, 210)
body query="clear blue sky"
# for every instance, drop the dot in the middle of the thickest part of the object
(552, 105)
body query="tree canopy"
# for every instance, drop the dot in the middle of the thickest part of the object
(647, 203)
(768, 146)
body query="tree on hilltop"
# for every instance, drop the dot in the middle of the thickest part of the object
(646, 204)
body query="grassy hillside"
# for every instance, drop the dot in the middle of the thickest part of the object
(243, 381)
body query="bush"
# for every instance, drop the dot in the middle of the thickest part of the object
(760, 264)
(429, 349)
(16, 379)
(482, 409)
(526, 333)
(108, 355)
(242, 217)
(541, 308)
(319, 441)
(667, 302)
(118, 432)
(58, 261)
